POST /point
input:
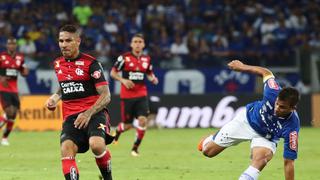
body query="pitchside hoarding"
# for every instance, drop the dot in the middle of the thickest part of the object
(174, 111)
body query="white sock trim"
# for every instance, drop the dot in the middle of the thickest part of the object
(250, 173)
(68, 158)
(101, 155)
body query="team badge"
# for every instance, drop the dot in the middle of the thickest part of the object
(18, 62)
(293, 137)
(79, 72)
(96, 74)
(145, 65)
(273, 84)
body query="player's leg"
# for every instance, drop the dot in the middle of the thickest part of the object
(141, 110)
(69, 165)
(234, 132)
(102, 156)
(11, 113)
(262, 152)
(98, 130)
(140, 132)
(126, 118)
(72, 141)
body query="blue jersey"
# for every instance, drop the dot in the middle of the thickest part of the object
(262, 119)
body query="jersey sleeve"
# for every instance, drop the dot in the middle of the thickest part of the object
(150, 69)
(291, 135)
(271, 89)
(119, 64)
(97, 75)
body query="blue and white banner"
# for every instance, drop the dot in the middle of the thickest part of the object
(195, 81)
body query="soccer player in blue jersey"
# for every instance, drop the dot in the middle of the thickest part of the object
(263, 123)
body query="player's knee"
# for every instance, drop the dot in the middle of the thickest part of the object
(142, 121)
(97, 147)
(68, 149)
(208, 152)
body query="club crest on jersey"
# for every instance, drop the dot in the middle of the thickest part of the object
(273, 84)
(79, 72)
(293, 140)
(79, 63)
(18, 58)
(18, 62)
(145, 65)
(96, 74)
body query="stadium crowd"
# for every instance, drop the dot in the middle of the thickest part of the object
(179, 33)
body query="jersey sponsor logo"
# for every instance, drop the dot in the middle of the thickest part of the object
(72, 87)
(273, 84)
(79, 72)
(136, 76)
(293, 139)
(79, 63)
(96, 74)
(11, 72)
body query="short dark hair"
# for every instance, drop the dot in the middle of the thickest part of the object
(11, 39)
(289, 94)
(70, 28)
(139, 35)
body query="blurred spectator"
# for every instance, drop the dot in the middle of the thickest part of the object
(82, 12)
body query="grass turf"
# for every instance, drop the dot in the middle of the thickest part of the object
(166, 154)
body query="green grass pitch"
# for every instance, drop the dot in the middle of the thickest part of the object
(166, 154)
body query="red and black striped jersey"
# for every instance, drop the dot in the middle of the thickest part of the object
(78, 79)
(10, 66)
(135, 69)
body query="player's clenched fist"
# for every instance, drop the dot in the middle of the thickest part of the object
(52, 102)
(236, 65)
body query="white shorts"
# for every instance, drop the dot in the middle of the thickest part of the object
(239, 130)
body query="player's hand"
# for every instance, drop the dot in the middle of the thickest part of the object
(4, 81)
(236, 65)
(82, 120)
(155, 81)
(127, 83)
(51, 104)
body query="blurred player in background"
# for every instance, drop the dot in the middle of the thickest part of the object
(263, 123)
(11, 63)
(85, 94)
(134, 102)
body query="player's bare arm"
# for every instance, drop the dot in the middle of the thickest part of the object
(126, 82)
(153, 79)
(24, 71)
(237, 65)
(53, 100)
(289, 169)
(104, 99)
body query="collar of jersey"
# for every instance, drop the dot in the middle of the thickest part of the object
(74, 59)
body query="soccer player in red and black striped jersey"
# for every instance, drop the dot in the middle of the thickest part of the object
(135, 68)
(11, 63)
(85, 94)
